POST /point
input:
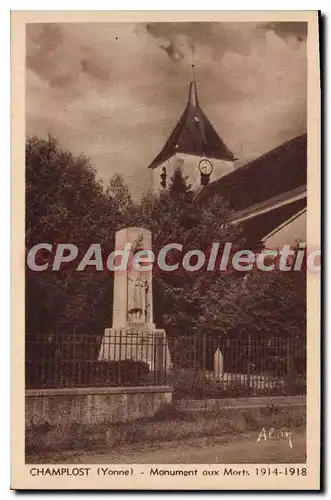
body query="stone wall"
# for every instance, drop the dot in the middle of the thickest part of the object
(93, 405)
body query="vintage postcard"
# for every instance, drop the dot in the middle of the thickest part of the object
(165, 250)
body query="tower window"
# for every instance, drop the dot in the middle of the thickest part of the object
(204, 179)
(163, 177)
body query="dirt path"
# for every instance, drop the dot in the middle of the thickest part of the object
(244, 448)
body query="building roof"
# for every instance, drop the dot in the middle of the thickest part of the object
(258, 227)
(265, 192)
(193, 134)
(278, 171)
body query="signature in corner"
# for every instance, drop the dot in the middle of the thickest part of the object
(272, 433)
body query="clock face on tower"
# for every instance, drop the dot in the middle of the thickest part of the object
(205, 167)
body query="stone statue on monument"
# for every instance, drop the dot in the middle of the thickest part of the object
(137, 299)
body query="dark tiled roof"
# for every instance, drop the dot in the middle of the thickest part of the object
(278, 171)
(258, 227)
(193, 134)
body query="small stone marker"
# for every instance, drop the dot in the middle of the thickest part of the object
(218, 364)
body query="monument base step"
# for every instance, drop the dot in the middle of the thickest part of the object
(146, 345)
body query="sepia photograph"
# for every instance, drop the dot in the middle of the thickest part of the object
(169, 206)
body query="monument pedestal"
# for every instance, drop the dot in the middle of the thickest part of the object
(138, 344)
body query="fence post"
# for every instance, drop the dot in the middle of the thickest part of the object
(249, 363)
(288, 362)
(76, 365)
(204, 353)
(195, 360)
(120, 358)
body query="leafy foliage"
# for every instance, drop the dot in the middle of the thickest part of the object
(66, 203)
(262, 304)
(179, 304)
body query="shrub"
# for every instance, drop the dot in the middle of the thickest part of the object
(84, 373)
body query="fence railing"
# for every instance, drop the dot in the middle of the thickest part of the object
(209, 367)
(197, 366)
(80, 360)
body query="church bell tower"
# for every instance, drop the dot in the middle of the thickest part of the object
(194, 146)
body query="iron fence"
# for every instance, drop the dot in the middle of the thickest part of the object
(216, 367)
(79, 360)
(198, 366)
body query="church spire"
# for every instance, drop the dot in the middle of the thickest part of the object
(193, 92)
(193, 134)
(192, 67)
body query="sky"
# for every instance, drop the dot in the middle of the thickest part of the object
(115, 91)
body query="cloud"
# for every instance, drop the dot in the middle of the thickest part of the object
(43, 41)
(240, 38)
(116, 90)
(93, 70)
(289, 29)
(219, 37)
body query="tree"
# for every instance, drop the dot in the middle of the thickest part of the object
(261, 305)
(179, 303)
(178, 185)
(63, 198)
(66, 203)
(120, 198)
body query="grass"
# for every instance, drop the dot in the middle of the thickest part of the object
(167, 425)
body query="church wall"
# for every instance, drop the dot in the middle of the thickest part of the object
(190, 167)
(294, 232)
